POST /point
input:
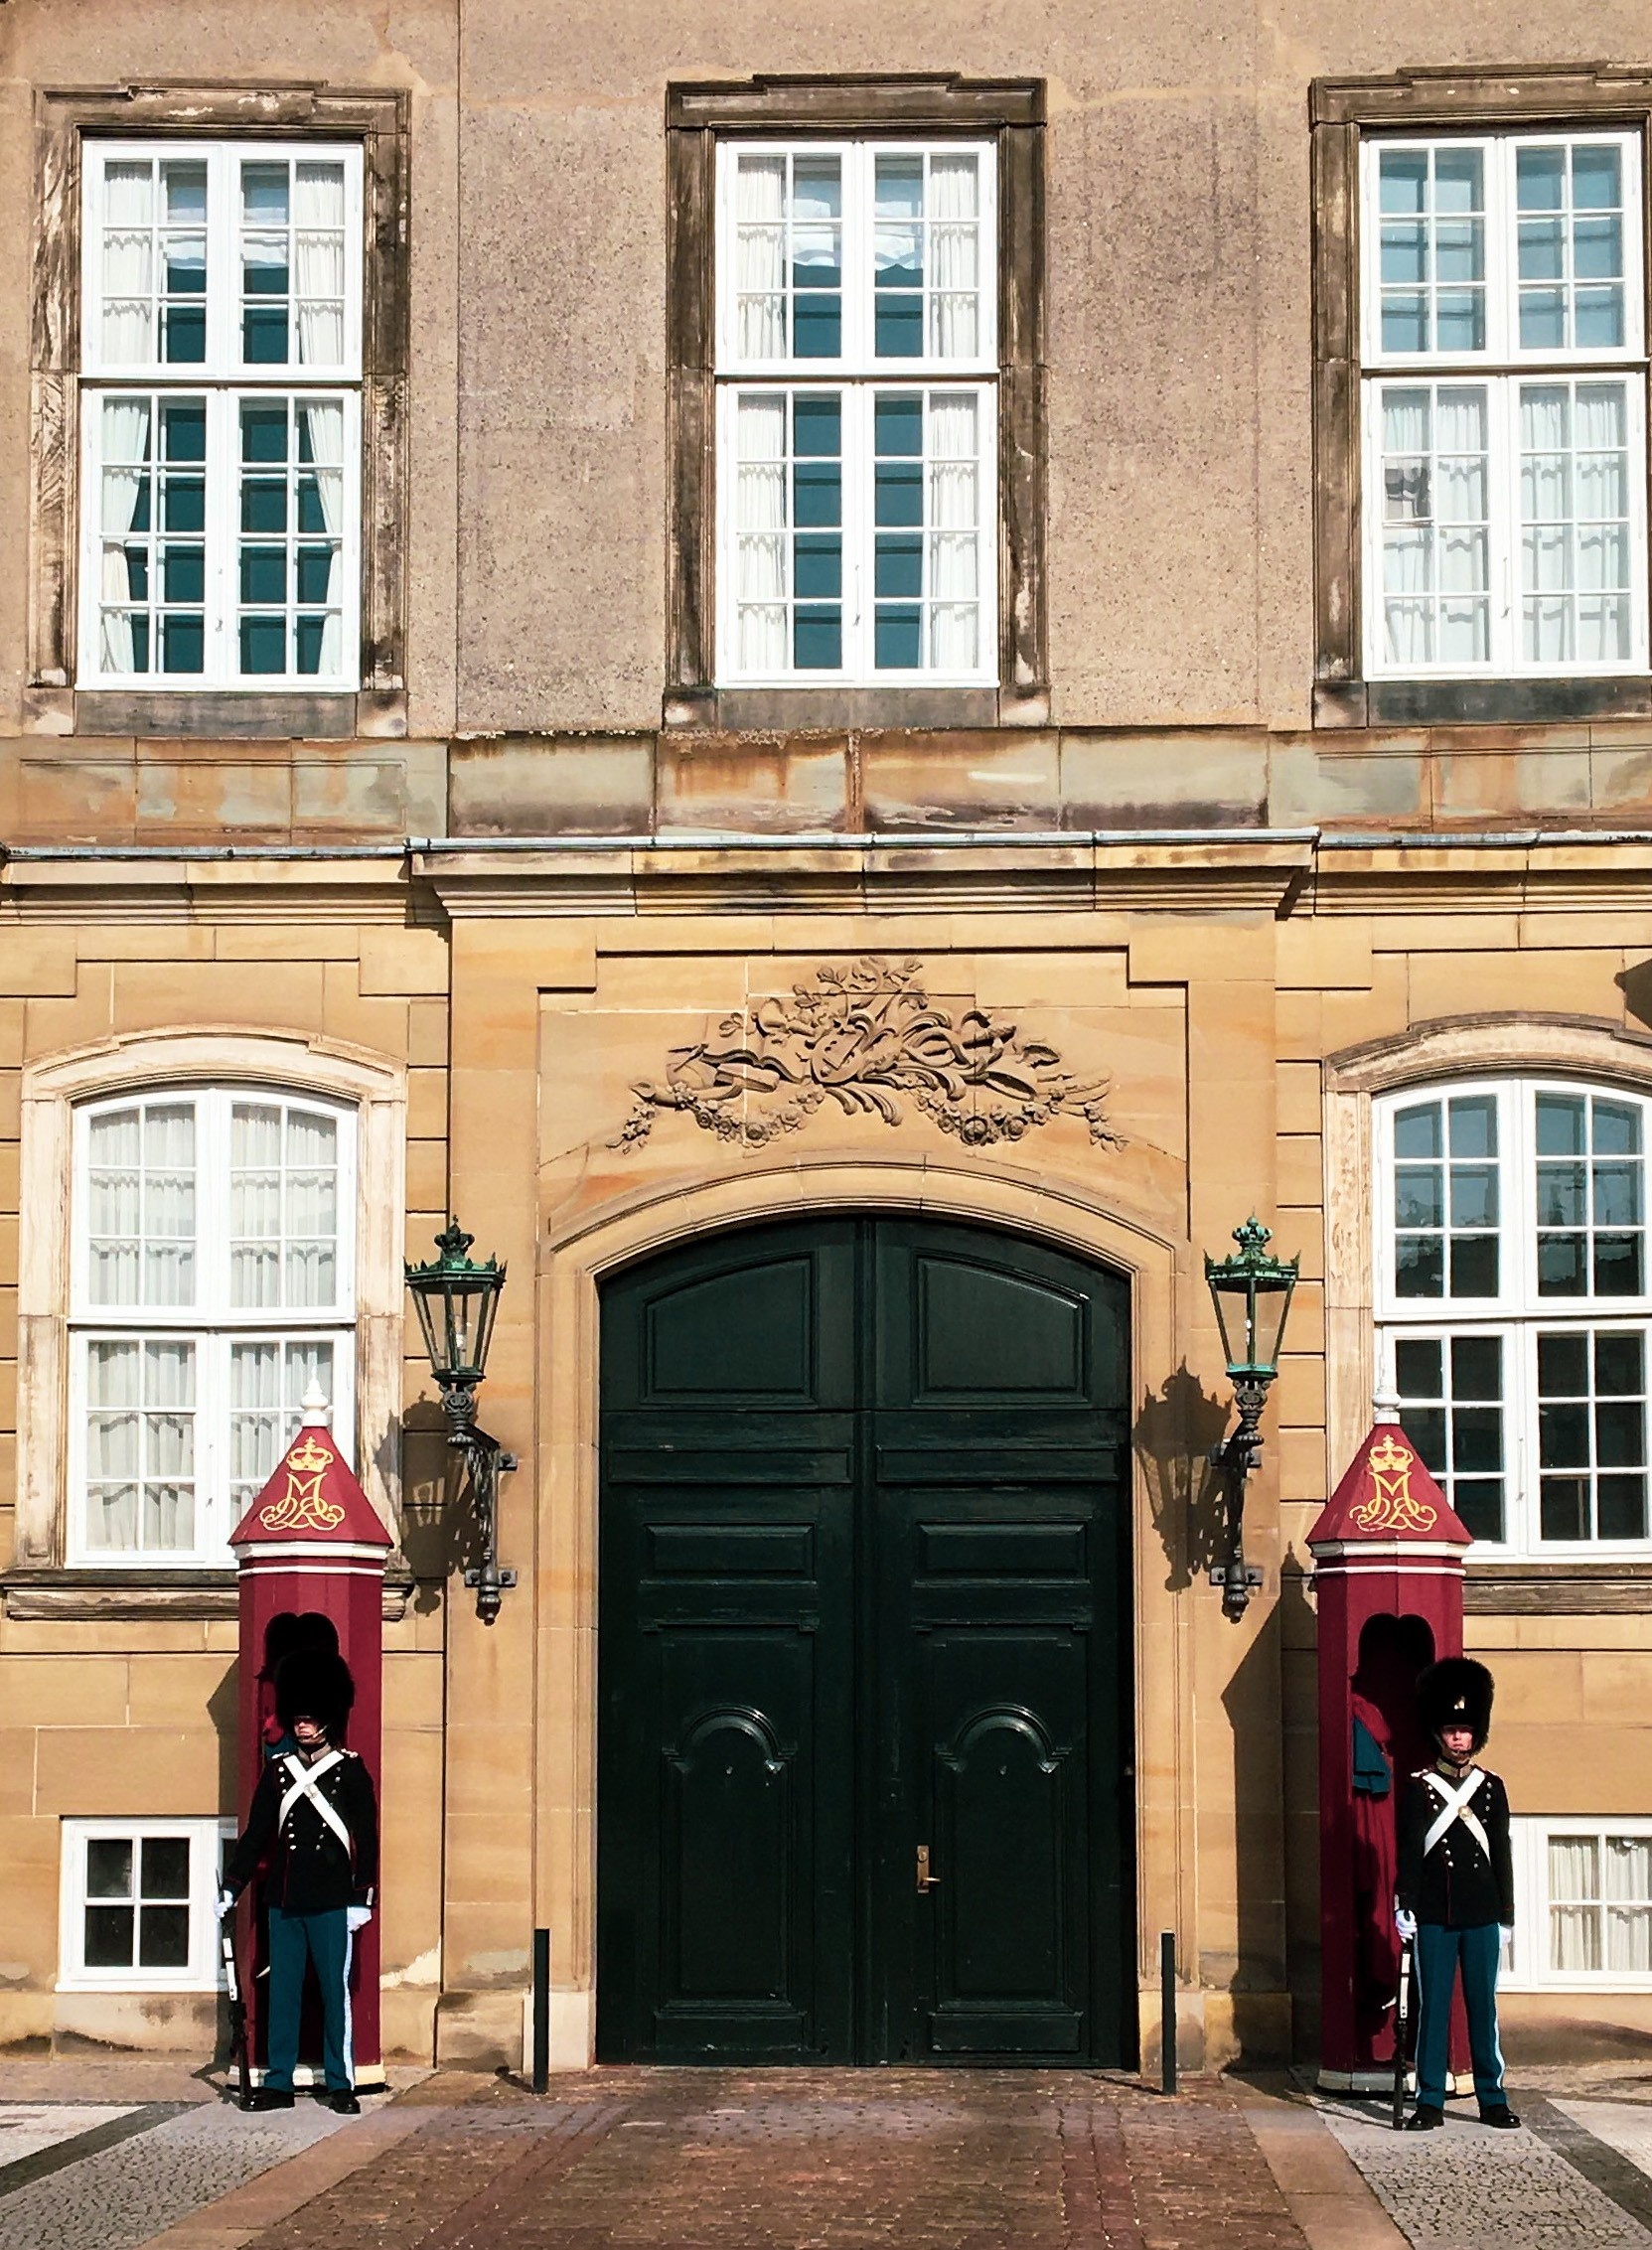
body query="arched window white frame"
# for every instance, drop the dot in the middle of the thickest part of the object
(1512, 1293)
(318, 1073)
(212, 1280)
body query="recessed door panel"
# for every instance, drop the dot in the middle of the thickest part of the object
(863, 1582)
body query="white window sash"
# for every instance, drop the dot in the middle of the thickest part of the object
(1527, 1959)
(223, 539)
(1499, 153)
(858, 160)
(859, 531)
(1506, 658)
(223, 362)
(203, 1971)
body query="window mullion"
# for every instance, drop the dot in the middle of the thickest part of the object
(858, 509)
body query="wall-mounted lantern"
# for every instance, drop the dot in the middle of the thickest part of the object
(456, 1300)
(1252, 1293)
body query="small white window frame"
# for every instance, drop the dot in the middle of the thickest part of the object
(1517, 1313)
(211, 1322)
(1525, 1966)
(1500, 368)
(204, 1972)
(224, 380)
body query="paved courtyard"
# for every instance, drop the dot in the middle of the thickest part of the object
(111, 2157)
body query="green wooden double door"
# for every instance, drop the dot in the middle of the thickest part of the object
(864, 1735)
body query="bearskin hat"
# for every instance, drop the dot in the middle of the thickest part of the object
(313, 1683)
(1455, 1692)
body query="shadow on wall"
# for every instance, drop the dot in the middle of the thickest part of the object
(1176, 1428)
(440, 1536)
(1256, 1975)
(1637, 986)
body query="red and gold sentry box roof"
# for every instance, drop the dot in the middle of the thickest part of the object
(1388, 1495)
(312, 1496)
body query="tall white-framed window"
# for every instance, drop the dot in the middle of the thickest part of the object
(213, 1233)
(221, 415)
(1582, 1905)
(1514, 1304)
(1503, 402)
(858, 422)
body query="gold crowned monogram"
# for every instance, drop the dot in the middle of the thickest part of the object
(301, 1507)
(1392, 1506)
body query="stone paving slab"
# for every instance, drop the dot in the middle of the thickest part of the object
(120, 2196)
(28, 2126)
(1466, 2187)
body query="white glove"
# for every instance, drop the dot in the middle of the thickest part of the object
(356, 1918)
(226, 1904)
(1405, 1924)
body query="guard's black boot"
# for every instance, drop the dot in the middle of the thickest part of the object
(1499, 2114)
(1425, 2119)
(269, 2097)
(343, 2099)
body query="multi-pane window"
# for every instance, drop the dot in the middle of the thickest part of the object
(137, 1904)
(1504, 405)
(1584, 1903)
(858, 413)
(213, 1234)
(221, 406)
(1515, 1304)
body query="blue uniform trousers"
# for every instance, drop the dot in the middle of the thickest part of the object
(295, 1939)
(1439, 1954)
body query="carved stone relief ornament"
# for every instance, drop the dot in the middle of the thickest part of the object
(868, 1038)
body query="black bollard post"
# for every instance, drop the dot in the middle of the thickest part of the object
(542, 2011)
(1167, 2010)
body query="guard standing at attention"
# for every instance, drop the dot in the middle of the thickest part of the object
(1455, 1888)
(314, 1820)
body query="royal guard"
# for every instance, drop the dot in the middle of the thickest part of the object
(1455, 1890)
(314, 1827)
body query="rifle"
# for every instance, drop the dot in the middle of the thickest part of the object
(1402, 2026)
(241, 2057)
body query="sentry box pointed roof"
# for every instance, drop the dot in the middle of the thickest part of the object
(312, 1497)
(1387, 1498)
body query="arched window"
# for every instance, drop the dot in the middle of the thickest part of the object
(212, 1246)
(1513, 1301)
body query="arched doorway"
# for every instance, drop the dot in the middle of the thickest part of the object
(863, 1643)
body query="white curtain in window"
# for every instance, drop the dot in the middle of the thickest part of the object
(168, 1445)
(760, 255)
(312, 1209)
(318, 263)
(113, 1156)
(1573, 1923)
(112, 1458)
(129, 269)
(954, 250)
(1408, 537)
(1546, 515)
(169, 1204)
(953, 448)
(125, 447)
(324, 429)
(254, 1414)
(254, 1205)
(760, 517)
(1628, 1869)
(1600, 498)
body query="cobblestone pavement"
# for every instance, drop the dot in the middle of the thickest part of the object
(175, 2162)
(1572, 2179)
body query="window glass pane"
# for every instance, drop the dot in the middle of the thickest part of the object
(165, 1865)
(1435, 525)
(151, 523)
(1432, 260)
(1571, 247)
(164, 1937)
(109, 1866)
(1589, 1197)
(290, 570)
(140, 1205)
(1447, 1207)
(268, 1379)
(1591, 1434)
(1451, 1408)
(109, 1937)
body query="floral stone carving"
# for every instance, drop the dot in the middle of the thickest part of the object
(868, 1038)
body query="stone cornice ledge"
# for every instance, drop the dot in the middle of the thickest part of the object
(241, 886)
(160, 1597)
(1593, 870)
(1222, 871)
(1558, 1590)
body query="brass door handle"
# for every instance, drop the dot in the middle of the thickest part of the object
(926, 1881)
